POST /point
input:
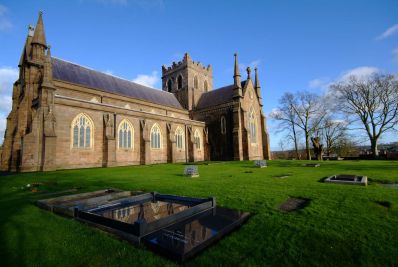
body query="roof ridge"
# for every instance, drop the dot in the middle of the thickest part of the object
(108, 74)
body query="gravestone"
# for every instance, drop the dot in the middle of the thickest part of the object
(260, 164)
(191, 171)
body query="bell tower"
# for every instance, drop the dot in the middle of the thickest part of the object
(188, 80)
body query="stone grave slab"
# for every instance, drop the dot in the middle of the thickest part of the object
(260, 163)
(191, 171)
(293, 204)
(65, 204)
(395, 186)
(175, 226)
(314, 165)
(185, 239)
(347, 179)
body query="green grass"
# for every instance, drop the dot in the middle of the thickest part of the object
(344, 225)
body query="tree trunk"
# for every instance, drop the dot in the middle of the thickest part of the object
(295, 143)
(307, 146)
(375, 152)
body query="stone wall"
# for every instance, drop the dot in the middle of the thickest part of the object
(142, 118)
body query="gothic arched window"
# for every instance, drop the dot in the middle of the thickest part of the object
(253, 126)
(205, 87)
(169, 85)
(156, 137)
(198, 142)
(82, 131)
(179, 138)
(223, 125)
(126, 135)
(179, 82)
(195, 82)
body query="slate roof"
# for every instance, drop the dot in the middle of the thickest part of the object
(73, 73)
(217, 96)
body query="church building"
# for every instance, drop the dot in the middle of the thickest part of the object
(68, 116)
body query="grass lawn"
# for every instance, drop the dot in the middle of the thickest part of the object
(344, 225)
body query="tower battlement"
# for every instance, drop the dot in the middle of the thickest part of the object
(188, 80)
(186, 62)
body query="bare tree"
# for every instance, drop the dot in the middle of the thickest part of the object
(332, 131)
(287, 117)
(310, 112)
(371, 102)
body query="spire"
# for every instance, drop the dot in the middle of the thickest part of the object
(39, 36)
(236, 72)
(26, 49)
(187, 58)
(48, 73)
(256, 80)
(248, 69)
(257, 86)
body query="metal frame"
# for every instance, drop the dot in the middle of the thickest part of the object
(140, 228)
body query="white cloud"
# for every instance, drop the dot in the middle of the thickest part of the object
(3, 121)
(360, 73)
(252, 64)
(395, 53)
(319, 83)
(5, 23)
(8, 76)
(389, 32)
(150, 80)
(275, 112)
(5, 104)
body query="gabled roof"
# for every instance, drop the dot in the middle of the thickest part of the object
(217, 96)
(73, 73)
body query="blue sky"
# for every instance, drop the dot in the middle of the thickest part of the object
(296, 45)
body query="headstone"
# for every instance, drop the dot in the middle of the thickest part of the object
(191, 171)
(260, 163)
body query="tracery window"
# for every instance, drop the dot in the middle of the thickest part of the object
(156, 137)
(126, 135)
(179, 82)
(179, 138)
(223, 125)
(197, 139)
(82, 131)
(253, 127)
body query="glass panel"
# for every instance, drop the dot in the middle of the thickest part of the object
(88, 136)
(75, 136)
(81, 137)
(120, 138)
(129, 140)
(125, 139)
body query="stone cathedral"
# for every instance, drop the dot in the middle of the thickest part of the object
(68, 116)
